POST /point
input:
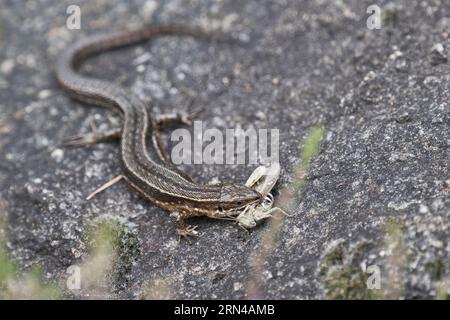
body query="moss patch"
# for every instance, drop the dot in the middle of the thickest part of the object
(342, 275)
(114, 245)
(22, 285)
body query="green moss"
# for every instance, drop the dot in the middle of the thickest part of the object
(308, 150)
(311, 145)
(108, 233)
(1, 32)
(47, 291)
(333, 257)
(28, 285)
(435, 269)
(342, 276)
(389, 14)
(442, 291)
(396, 259)
(21, 285)
(393, 232)
(345, 282)
(39, 288)
(8, 268)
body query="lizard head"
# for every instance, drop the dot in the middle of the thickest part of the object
(234, 197)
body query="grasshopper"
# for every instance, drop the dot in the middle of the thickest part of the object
(262, 179)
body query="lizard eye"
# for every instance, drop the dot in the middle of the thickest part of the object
(239, 203)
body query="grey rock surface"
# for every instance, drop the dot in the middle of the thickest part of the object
(382, 97)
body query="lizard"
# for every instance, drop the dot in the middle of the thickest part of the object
(146, 168)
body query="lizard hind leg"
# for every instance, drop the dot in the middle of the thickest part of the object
(93, 137)
(105, 186)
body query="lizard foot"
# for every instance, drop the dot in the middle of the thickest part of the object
(183, 230)
(187, 231)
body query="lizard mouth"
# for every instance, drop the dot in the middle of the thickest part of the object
(236, 210)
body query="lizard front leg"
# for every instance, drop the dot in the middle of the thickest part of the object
(183, 230)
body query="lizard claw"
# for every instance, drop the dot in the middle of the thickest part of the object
(183, 230)
(187, 232)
